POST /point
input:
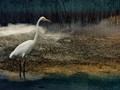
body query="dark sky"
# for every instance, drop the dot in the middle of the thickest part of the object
(52, 5)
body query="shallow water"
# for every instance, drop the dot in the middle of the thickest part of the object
(61, 82)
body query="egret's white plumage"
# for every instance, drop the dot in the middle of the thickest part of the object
(26, 47)
(23, 49)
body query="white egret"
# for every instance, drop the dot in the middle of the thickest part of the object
(26, 47)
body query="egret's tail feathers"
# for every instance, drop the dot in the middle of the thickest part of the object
(11, 55)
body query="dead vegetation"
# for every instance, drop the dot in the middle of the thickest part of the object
(94, 49)
(78, 53)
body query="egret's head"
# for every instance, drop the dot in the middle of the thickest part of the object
(44, 19)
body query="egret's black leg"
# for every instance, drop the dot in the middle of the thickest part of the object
(20, 67)
(24, 69)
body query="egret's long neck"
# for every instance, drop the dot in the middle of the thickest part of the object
(37, 31)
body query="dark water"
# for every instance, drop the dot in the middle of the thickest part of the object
(61, 82)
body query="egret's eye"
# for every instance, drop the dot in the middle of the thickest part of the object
(44, 19)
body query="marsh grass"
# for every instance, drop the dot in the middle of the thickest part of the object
(80, 51)
(93, 49)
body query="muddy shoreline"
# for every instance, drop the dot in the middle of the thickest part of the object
(39, 70)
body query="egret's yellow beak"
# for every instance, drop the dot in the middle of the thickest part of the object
(47, 20)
